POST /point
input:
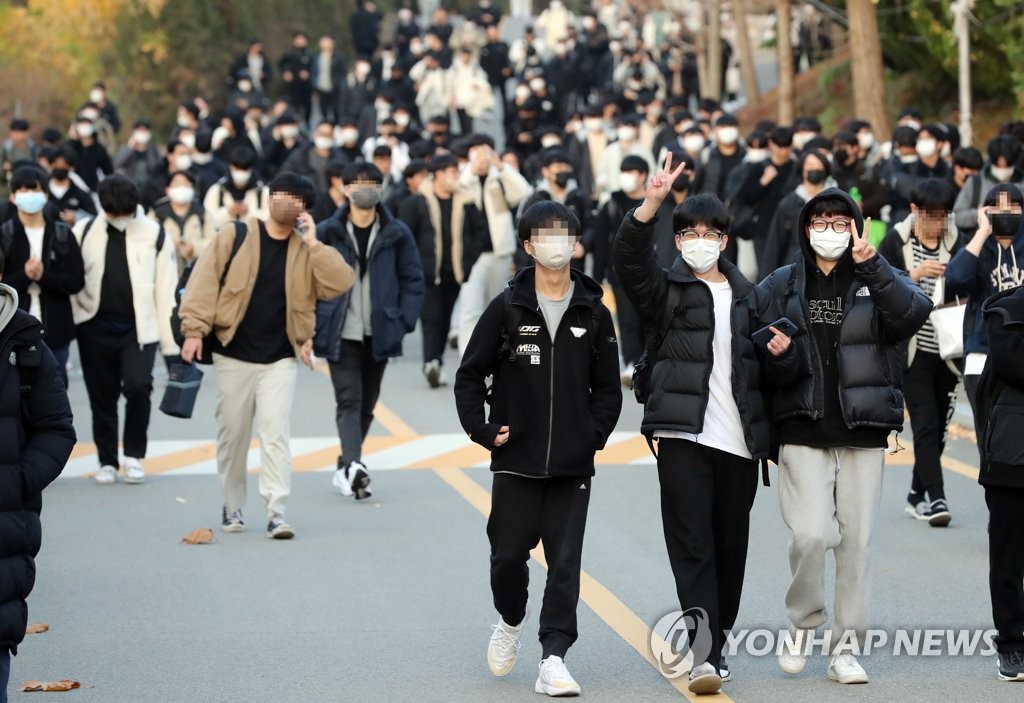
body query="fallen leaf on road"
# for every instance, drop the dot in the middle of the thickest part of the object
(376, 505)
(62, 685)
(180, 500)
(204, 535)
(37, 628)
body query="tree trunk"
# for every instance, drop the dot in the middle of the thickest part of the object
(783, 40)
(868, 76)
(701, 51)
(714, 34)
(751, 90)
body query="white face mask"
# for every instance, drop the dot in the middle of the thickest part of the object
(119, 223)
(693, 143)
(757, 155)
(202, 159)
(626, 134)
(141, 137)
(95, 95)
(926, 148)
(1002, 175)
(241, 178)
(522, 92)
(548, 142)
(728, 135)
(85, 129)
(800, 140)
(349, 135)
(184, 122)
(865, 140)
(402, 119)
(629, 182)
(554, 255)
(908, 158)
(699, 254)
(323, 143)
(830, 245)
(290, 132)
(593, 124)
(188, 140)
(182, 163)
(181, 194)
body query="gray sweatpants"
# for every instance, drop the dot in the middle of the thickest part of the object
(829, 498)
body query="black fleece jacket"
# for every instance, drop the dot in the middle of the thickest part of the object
(559, 400)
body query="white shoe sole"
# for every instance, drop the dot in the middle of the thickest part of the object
(281, 533)
(705, 685)
(103, 481)
(912, 512)
(1004, 677)
(232, 529)
(792, 666)
(135, 480)
(541, 687)
(848, 678)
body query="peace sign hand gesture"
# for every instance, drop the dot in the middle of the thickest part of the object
(862, 249)
(658, 189)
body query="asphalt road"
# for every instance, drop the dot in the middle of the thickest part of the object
(389, 599)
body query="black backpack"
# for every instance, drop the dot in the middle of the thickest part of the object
(645, 364)
(179, 291)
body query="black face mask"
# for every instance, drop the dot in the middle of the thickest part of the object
(562, 179)
(1005, 224)
(61, 174)
(681, 184)
(840, 156)
(816, 176)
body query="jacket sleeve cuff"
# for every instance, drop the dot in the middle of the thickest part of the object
(485, 435)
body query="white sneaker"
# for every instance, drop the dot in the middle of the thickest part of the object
(705, 679)
(845, 668)
(339, 481)
(555, 680)
(106, 476)
(133, 471)
(794, 651)
(503, 648)
(626, 376)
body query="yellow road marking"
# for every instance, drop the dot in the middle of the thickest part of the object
(389, 420)
(616, 614)
(458, 459)
(624, 452)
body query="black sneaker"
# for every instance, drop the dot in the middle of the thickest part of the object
(938, 513)
(277, 528)
(917, 506)
(231, 522)
(1011, 666)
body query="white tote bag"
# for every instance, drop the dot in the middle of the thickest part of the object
(948, 321)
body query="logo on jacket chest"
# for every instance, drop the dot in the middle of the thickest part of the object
(826, 312)
(529, 351)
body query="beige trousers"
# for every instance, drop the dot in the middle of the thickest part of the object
(260, 392)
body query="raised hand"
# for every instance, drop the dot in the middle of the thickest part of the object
(658, 188)
(862, 249)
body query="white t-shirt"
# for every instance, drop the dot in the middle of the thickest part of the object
(723, 428)
(35, 246)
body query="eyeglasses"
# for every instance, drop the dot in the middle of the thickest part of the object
(839, 226)
(710, 235)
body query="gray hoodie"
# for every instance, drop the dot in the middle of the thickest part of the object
(8, 305)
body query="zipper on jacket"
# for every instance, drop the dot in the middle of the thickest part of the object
(551, 400)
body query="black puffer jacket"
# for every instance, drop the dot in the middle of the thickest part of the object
(882, 309)
(31, 457)
(559, 401)
(1001, 393)
(682, 366)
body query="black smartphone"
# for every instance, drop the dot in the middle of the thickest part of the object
(765, 334)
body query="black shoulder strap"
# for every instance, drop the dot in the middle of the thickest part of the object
(85, 230)
(61, 234)
(240, 231)
(27, 361)
(160, 237)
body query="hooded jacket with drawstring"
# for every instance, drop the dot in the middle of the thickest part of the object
(978, 278)
(848, 390)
